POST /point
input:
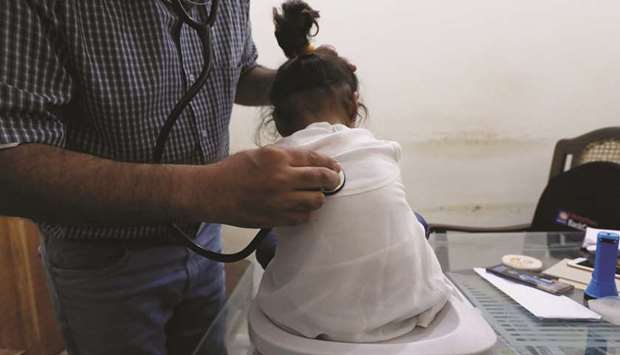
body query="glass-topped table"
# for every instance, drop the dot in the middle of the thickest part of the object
(518, 331)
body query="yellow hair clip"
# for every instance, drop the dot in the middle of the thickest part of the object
(309, 49)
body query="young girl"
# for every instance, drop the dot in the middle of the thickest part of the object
(361, 269)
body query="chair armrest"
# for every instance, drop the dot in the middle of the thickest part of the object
(443, 228)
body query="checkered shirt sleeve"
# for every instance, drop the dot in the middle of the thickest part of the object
(34, 84)
(101, 77)
(250, 54)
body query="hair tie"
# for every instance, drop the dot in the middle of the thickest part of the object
(309, 49)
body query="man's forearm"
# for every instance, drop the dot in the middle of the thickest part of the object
(254, 86)
(54, 185)
(269, 186)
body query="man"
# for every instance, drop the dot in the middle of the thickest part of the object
(85, 86)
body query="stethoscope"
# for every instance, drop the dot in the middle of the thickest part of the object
(204, 30)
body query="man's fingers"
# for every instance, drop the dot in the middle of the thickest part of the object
(314, 171)
(295, 208)
(275, 186)
(314, 178)
(305, 201)
(304, 158)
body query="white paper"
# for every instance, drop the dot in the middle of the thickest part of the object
(541, 304)
(589, 242)
(8, 145)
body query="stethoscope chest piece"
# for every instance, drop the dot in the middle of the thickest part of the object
(340, 185)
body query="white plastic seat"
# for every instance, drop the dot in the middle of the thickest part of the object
(458, 329)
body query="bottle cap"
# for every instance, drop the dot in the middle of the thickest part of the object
(522, 262)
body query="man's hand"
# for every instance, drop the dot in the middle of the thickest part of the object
(256, 188)
(269, 187)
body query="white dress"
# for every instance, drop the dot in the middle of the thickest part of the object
(361, 269)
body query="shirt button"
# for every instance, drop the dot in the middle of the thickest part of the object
(191, 77)
(205, 135)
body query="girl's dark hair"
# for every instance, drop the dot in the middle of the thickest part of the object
(311, 81)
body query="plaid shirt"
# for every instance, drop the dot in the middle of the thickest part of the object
(100, 77)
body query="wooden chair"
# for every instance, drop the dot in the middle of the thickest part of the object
(599, 145)
(27, 322)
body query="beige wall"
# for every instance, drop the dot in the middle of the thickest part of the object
(475, 91)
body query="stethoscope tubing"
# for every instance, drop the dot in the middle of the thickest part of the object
(205, 34)
(188, 242)
(204, 31)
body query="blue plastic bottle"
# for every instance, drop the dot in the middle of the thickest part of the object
(603, 281)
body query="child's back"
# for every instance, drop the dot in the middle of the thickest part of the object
(361, 269)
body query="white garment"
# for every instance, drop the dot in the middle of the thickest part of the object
(361, 269)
